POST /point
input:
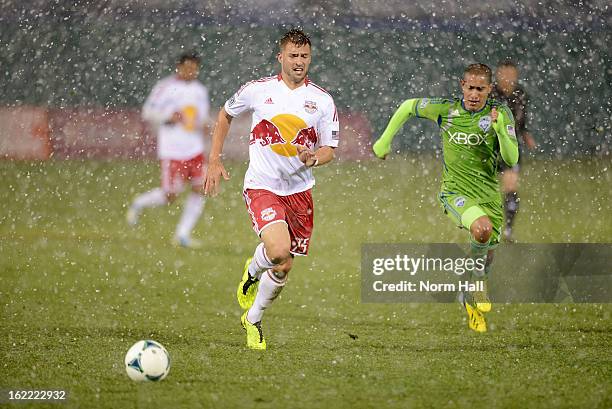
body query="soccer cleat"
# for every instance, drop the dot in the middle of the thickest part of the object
(255, 338)
(381, 149)
(476, 320)
(247, 288)
(187, 242)
(481, 298)
(132, 216)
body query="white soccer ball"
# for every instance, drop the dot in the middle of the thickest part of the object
(147, 361)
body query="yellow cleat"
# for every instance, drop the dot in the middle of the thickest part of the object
(476, 320)
(255, 338)
(247, 288)
(481, 298)
(381, 149)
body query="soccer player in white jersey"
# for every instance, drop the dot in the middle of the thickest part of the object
(178, 109)
(294, 129)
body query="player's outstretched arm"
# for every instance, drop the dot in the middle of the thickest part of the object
(382, 146)
(503, 125)
(215, 166)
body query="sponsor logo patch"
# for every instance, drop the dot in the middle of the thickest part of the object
(460, 201)
(310, 107)
(485, 123)
(268, 214)
(463, 138)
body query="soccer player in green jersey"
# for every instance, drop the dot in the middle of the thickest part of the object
(477, 133)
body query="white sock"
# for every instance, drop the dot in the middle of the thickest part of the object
(260, 262)
(269, 288)
(191, 213)
(152, 198)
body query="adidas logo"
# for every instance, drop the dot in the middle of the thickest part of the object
(269, 101)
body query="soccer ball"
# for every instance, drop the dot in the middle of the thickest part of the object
(147, 361)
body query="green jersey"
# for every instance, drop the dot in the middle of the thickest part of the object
(470, 145)
(471, 141)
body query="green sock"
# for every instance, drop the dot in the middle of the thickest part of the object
(479, 251)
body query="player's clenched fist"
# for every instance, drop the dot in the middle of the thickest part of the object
(497, 120)
(307, 156)
(494, 114)
(213, 177)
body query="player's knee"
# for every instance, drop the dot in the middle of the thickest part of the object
(287, 265)
(282, 270)
(482, 229)
(280, 275)
(278, 253)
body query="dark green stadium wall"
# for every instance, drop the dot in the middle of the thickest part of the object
(113, 59)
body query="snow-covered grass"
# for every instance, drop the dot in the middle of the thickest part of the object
(78, 287)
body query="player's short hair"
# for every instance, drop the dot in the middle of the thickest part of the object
(507, 63)
(479, 69)
(189, 56)
(295, 36)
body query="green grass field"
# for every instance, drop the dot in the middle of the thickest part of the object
(78, 287)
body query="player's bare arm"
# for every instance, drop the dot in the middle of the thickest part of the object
(175, 119)
(324, 154)
(215, 166)
(529, 140)
(321, 156)
(494, 114)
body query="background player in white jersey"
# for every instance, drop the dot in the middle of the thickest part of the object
(178, 109)
(294, 128)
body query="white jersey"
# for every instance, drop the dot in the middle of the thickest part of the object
(282, 119)
(184, 140)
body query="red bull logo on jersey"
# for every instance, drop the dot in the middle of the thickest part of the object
(283, 133)
(310, 107)
(268, 214)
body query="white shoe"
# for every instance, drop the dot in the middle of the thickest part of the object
(132, 216)
(187, 242)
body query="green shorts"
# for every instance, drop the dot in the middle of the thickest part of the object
(464, 211)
